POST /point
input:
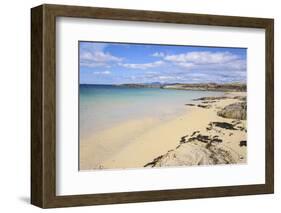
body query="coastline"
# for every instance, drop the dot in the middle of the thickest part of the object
(149, 142)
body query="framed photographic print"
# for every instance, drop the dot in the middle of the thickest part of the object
(135, 106)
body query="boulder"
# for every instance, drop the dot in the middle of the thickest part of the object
(235, 111)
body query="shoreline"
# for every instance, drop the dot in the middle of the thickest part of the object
(154, 142)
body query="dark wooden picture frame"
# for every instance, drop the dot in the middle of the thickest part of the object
(43, 105)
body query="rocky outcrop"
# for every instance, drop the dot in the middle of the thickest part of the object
(231, 87)
(207, 148)
(198, 149)
(234, 111)
(195, 153)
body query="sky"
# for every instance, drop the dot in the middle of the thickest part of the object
(119, 63)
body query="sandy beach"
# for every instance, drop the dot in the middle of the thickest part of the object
(193, 138)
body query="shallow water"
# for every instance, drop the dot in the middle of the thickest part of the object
(104, 106)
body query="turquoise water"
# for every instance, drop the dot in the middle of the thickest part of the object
(103, 106)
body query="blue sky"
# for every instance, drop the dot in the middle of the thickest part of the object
(117, 63)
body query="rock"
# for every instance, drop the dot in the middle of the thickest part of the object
(190, 154)
(243, 143)
(234, 111)
(194, 133)
(236, 122)
(241, 128)
(196, 136)
(241, 98)
(201, 138)
(208, 102)
(189, 104)
(204, 106)
(223, 125)
(183, 139)
(212, 98)
(216, 140)
(153, 162)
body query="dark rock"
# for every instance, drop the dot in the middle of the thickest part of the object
(183, 139)
(223, 125)
(241, 128)
(194, 133)
(189, 104)
(208, 128)
(236, 122)
(155, 160)
(216, 140)
(243, 143)
(203, 138)
(204, 106)
(241, 98)
(208, 102)
(211, 98)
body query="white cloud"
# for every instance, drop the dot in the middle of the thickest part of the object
(163, 77)
(158, 54)
(186, 64)
(237, 64)
(151, 72)
(202, 57)
(133, 77)
(99, 57)
(106, 72)
(93, 64)
(205, 60)
(142, 66)
(94, 56)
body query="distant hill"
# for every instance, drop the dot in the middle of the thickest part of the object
(143, 85)
(200, 86)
